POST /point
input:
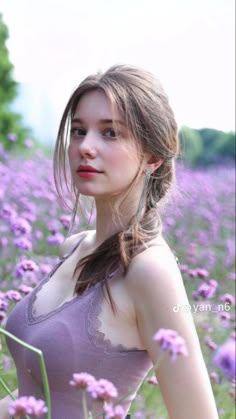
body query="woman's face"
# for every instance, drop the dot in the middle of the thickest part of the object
(112, 156)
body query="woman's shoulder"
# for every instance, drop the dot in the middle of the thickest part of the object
(154, 264)
(71, 241)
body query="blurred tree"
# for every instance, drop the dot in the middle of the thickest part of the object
(207, 146)
(218, 145)
(191, 145)
(10, 122)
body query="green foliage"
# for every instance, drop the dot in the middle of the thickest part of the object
(206, 146)
(9, 122)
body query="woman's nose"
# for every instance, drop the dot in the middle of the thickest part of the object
(87, 145)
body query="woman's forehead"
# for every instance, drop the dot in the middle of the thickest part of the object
(95, 105)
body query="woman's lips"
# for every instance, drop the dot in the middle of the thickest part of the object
(87, 174)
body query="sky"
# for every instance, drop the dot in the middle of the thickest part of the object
(188, 44)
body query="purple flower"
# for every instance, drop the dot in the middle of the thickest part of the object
(3, 304)
(55, 239)
(65, 220)
(45, 268)
(26, 265)
(23, 243)
(224, 358)
(2, 316)
(82, 380)
(25, 289)
(206, 290)
(20, 226)
(209, 342)
(28, 143)
(169, 340)
(113, 412)
(202, 273)
(13, 296)
(7, 212)
(12, 137)
(214, 377)
(152, 380)
(27, 406)
(3, 241)
(227, 298)
(38, 234)
(102, 390)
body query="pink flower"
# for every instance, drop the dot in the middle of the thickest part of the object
(224, 359)
(28, 143)
(13, 295)
(170, 341)
(26, 265)
(102, 390)
(209, 342)
(20, 226)
(27, 406)
(152, 380)
(113, 412)
(65, 220)
(55, 239)
(25, 289)
(3, 304)
(214, 377)
(207, 290)
(12, 137)
(202, 273)
(2, 316)
(227, 298)
(82, 380)
(23, 243)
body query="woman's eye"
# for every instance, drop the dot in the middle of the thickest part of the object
(78, 132)
(111, 133)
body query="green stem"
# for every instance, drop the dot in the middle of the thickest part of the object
(7, 389)
(132, 391)
(42, 367)
(84, 405)
(9, 393)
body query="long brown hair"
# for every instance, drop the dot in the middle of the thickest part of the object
(140, 101)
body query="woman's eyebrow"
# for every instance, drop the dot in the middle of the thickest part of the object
(100, 121)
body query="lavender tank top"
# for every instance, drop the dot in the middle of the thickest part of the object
(71, 343)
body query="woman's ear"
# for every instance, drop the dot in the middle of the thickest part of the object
(154, 162)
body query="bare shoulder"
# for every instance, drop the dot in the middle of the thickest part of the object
(155, 266)
(69, 242)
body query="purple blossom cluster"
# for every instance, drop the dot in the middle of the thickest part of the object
(170, 341)
(199, 226)
(101, 390)
(27, 406)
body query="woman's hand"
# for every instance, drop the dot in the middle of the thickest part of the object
(4, 403)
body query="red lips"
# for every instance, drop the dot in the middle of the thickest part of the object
(86, 168)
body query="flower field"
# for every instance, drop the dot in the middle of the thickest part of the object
(199, 226)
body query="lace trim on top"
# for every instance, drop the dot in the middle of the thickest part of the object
(93, 325)
(32, 317)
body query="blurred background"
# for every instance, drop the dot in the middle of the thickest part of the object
(47, 47)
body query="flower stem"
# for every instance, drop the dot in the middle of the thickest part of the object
(7, 389)
(42, 367)
(84, 405)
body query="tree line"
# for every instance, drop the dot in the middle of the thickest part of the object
(206, 146)
(198, 146)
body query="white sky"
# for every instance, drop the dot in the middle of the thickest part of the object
(187, 44)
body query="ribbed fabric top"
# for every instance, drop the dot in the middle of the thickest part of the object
(71, 342)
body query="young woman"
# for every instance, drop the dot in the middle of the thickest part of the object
(117, 285)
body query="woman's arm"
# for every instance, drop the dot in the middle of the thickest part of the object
(156, 286)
